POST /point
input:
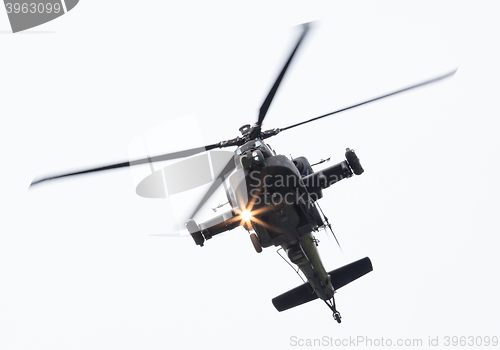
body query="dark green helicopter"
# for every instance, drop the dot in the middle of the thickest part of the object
(275, 198)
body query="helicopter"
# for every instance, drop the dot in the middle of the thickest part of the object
(275, 198)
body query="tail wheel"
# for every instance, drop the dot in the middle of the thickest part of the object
(255, 242)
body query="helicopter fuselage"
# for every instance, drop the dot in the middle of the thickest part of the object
(276, 197)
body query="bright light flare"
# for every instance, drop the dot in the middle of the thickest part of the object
(246, 215)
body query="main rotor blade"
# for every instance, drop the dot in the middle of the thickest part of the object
(215, 185)
(267, 102)
(163, 157)
(433, 80)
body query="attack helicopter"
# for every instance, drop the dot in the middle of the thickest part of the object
(275, 198)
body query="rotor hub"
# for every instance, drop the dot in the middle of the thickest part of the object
(245, 129)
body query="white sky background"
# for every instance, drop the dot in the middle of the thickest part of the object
(78, 268)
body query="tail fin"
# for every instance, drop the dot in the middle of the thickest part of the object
(339, 277)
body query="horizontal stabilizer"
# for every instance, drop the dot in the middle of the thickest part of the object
(350, 272)
(339, 277)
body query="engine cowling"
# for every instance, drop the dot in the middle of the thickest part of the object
(302, 164)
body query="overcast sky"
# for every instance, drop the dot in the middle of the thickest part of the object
(78, 265)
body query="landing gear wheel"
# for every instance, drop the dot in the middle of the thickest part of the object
(331, 306)
(255, 242)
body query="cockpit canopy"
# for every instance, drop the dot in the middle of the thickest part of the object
(252, 154)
